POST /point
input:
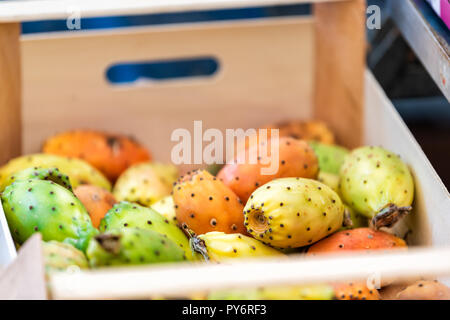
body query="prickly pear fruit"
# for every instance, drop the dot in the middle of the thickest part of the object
(96, 200)
(295, 159)
(132, 246)
(60, 256)
(49, 208)
(145, 183)
(131, 215)
(304, 130)
(166, 208)
(311, 292)
(331, 157)
(219, 246)
(111, 154)
(79, 171)
(203, 204)
(377, 184)
(214, 168)
(50, 174)
(293, 212)
(355, 291)
(357, 239)
(329, 179)
(425, 290)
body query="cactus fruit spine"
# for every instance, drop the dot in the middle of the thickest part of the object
(293, 212)
(131, 215)
(79, 171)
(47, 207)
(132, 246)
(377, 184)
(221, 246)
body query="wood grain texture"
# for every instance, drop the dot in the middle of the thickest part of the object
(340, 65)
(10, 92)
(265, 72)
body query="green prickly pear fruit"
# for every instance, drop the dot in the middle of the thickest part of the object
(310, 292)
(145, 183)
(79, 171)
(220, 246)
(133, 246)
(293, 212)
(377, 184)
(132, 215)
(47, 207)
(329, 179)
(50, 174)
(331, 157)
(60, 256)
(166, 208)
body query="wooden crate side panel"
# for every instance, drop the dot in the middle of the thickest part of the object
(430, 219)
(10, 92)
(266, 72)
(340, 65)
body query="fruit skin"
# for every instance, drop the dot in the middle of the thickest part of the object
(166, 208)
(362, 239)
(331, 157)
(96, 200)
(60, 256)
(357, 220)
(110, 153)
(145, 183)
(374, 181)
(425, 290)
(49, 208)
(304, 130)
(203, 204)
(131, 246)
(293, 212)
(79, 171)
(358, 239)
(130, 215)
(329, 179)
(296, 159)
(222, 246)
(355, 291)
(311, 292)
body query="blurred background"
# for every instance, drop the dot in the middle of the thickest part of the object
(419, 101)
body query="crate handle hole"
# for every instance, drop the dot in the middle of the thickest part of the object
(126, 73)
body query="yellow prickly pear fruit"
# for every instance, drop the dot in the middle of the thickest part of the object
(166, 208)
(377, 184)
(219, 246)
(293, 212)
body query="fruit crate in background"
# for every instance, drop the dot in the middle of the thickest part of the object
(269, 69)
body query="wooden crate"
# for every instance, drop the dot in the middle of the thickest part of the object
(270, 69)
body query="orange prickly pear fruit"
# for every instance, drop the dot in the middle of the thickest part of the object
(355, 291)
(96, 200)
(357, 239)
(295, 159)
(109, 153)
(203, 204)
(305, 130)
(425, 290)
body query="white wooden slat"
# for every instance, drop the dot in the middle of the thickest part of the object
(12, 11)
(179, 280)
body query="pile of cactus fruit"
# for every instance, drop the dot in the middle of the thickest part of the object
(99, 200)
